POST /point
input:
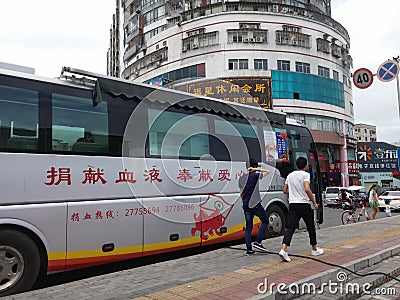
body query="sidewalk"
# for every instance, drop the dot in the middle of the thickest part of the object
(227, 273)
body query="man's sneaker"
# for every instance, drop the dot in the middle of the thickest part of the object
(259, 246)
(250, 252)
(317, 252)
(284, 256)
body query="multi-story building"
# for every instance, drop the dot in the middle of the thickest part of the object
(114, 53)
(365, 132)
(286, 55)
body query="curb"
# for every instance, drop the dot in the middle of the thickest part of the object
(335, 275)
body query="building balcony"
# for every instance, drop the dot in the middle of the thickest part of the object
(279, 9)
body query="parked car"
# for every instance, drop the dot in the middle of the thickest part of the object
(331, 195)
(392, 196)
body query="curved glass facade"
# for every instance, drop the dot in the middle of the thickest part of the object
(293, 85)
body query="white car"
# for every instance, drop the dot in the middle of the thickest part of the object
(393, 196)
(331, 195)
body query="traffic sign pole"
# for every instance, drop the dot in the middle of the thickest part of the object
(397, 84)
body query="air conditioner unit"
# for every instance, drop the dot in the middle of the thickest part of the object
(195, 46)
(275, 8)
(252, 40)
(246, 40)
(259, 39)
(184, 49)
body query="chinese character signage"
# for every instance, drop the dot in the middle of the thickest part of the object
(250, 91)
(377, 157)
(282, 144)
(352, 166)
(276, 145)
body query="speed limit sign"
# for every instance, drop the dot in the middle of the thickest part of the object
(363, 78)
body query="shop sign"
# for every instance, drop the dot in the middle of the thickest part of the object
(248, 90)
(377, 157)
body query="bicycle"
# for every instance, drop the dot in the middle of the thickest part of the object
(349, 214)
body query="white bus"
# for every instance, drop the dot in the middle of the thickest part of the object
(97, 169)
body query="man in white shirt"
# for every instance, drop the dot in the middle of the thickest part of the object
(297, 185)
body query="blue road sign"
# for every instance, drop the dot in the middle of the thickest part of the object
(388, 71)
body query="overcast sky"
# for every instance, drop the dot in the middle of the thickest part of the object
(49, 34)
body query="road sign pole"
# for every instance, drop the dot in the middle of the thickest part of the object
(398, 92)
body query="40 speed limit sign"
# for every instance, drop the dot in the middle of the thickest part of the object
(363, 78)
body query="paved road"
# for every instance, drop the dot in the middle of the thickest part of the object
(332, 217)
(363, 238)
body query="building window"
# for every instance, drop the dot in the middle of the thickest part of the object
(238, 64)
(323, 71)
(260, 64)
(247, 36)
(199, 40)
(336, 75)
(346, 81)
(283, 65)
(323, 45)
(291, 36)
(236, 36)
(302, 67)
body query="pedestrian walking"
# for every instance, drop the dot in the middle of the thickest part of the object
(373, 200)
(250, 193)
(297, 185)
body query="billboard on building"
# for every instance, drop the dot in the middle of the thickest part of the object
(246, 90)
(377, 157)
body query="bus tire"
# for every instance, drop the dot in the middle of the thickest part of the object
(276, 221)
(19, 262)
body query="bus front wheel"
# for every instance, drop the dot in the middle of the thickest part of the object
(276, 221)
(19, 262)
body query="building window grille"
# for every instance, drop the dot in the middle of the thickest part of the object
(336, 75)
(260, 64)
(323, 46)
(247, 36)
(238, 64)
(199, 41)
(302, 67)
(292, 38)
(283, 65)
(323, 71)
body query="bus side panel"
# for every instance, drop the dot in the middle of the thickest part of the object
(104, 231)
(222, 218)
(172, 224)
(47, 221)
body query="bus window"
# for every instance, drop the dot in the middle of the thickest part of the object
(173, 134)
(19, 127)
(235, 141)
(78, 126)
